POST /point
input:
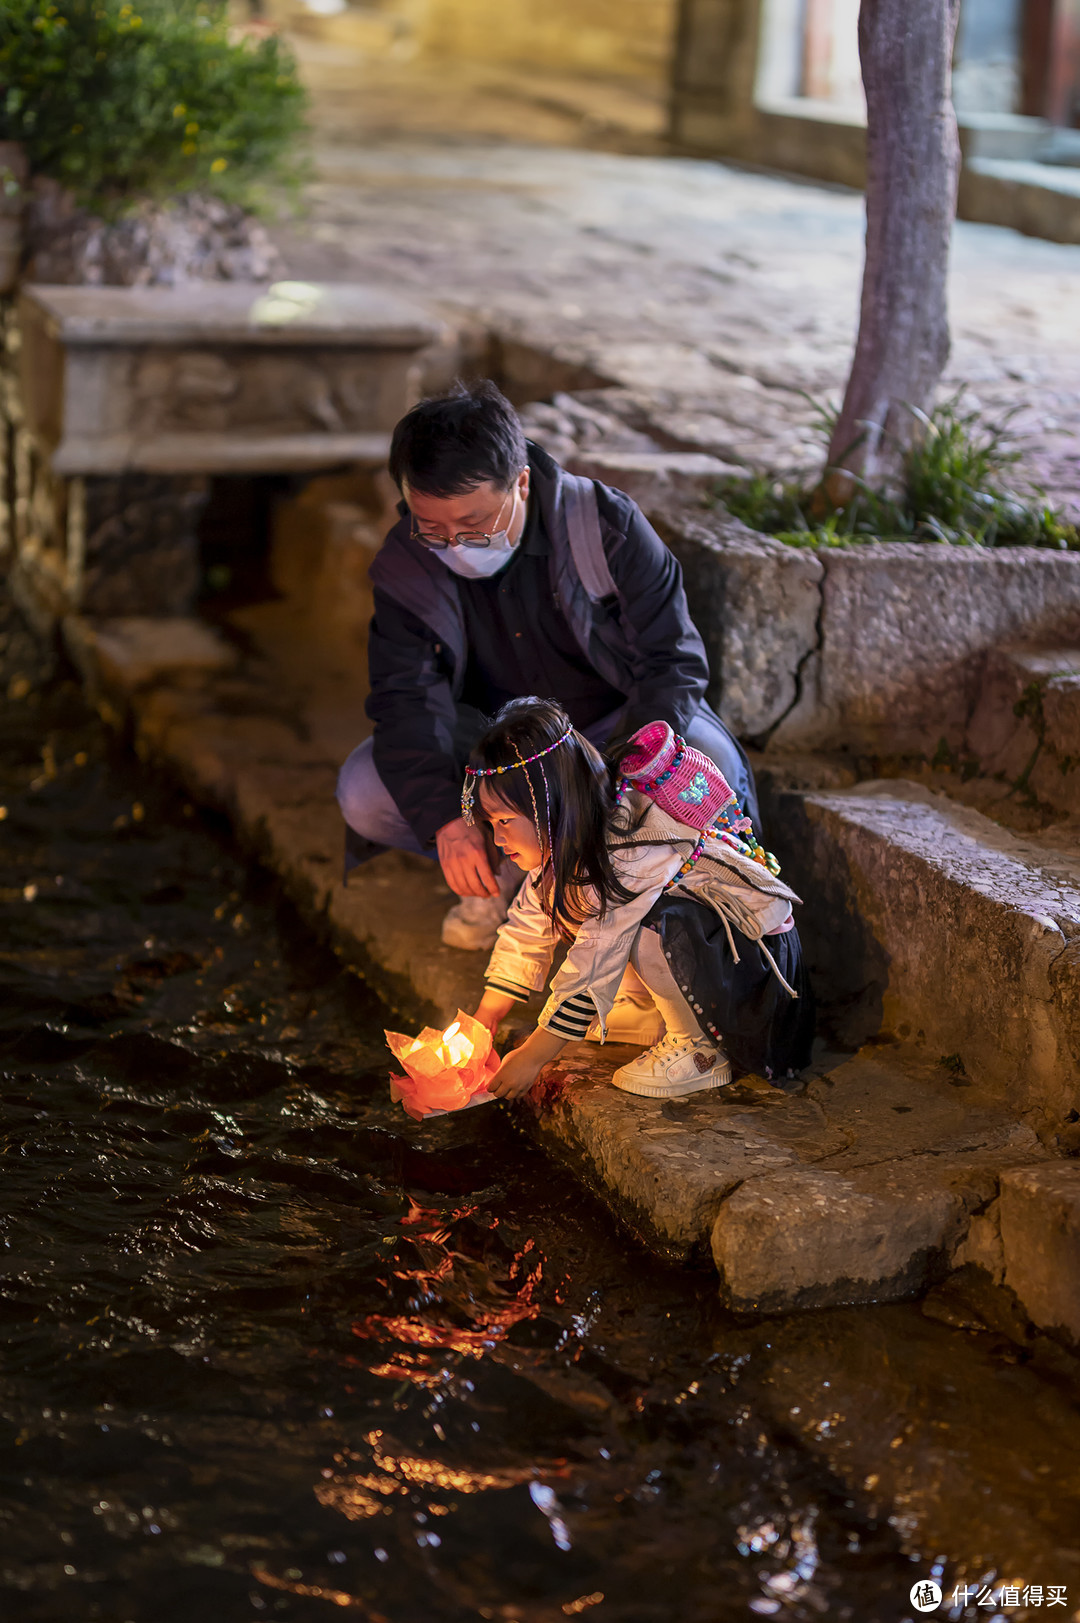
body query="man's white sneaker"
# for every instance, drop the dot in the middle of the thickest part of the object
(473, 923)
(673, 1067)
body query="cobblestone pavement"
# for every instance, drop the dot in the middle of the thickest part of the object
(712, 297)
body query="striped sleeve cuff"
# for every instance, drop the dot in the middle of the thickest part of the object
(573, 1018)
(520, 994)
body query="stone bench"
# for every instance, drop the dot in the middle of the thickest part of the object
(121, 403)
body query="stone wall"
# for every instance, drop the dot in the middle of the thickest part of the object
(630, 39)
(118, 404)
(877, 649)
(627, 39)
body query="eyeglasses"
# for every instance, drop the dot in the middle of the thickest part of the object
(439, 543)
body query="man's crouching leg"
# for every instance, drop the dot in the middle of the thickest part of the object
(368, 808)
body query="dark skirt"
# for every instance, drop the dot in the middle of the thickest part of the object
(762, 1028)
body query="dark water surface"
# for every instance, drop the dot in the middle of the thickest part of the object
(270, 1350)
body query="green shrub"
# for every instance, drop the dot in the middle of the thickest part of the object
(953, 490)
(118, 99)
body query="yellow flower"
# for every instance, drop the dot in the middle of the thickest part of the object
(188, 148)
(76, 129)
(179, 110)
(218, 165)
(191, 129)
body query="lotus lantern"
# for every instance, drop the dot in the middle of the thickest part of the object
(444, 1070)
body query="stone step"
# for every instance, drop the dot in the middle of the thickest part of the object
(1025, 727)
(926, 919)
(1031, 1244)
(862, 1187)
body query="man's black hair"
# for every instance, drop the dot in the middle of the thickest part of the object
(451, 444)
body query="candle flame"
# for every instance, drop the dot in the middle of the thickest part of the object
(451, 1031)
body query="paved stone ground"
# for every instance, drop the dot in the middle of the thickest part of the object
(709, 296)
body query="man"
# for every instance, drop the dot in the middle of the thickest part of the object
(504, 577)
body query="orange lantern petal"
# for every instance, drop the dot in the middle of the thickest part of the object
(444, 1070)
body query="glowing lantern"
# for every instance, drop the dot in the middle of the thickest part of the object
(445, 1070)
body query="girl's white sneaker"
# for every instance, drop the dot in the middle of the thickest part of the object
(673, 1067)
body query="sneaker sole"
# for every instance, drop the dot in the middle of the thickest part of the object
(466, 941)
(718, 1077)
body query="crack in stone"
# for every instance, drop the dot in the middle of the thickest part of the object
(763, 740)
(930, 1153)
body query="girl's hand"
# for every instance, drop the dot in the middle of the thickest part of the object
(515, 1075)
(519, 1070)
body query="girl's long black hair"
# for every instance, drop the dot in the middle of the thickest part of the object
(579, 881)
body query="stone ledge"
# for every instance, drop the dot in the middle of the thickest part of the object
(858, 1189)
(1026, 725)
(217, 453)
(812, 1238)
(1040, 1238)
(757, 604)
(1038, 199)
(936, 922)
(124, 655)
(233, 313)
(879, 648)
(652, 478)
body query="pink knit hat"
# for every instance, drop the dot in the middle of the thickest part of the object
(683, 782)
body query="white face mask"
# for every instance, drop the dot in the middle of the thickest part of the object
(479, 563)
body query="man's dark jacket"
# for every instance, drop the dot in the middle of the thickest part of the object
(627, 610)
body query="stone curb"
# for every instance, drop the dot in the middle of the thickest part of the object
(860, 1189)
(947, 929)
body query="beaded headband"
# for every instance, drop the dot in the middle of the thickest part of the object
(468, 788)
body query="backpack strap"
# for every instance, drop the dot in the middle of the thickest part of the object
(582, 518)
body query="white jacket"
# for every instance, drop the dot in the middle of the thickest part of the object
(742, 891)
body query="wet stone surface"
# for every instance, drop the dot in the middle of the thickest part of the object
(270, 1350)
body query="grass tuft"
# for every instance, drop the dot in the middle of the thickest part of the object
(954, 489)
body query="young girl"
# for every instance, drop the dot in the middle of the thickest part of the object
(629, 889)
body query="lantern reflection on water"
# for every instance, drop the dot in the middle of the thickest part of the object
(445, 1070)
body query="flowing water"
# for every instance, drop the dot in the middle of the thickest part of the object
(269, 1350)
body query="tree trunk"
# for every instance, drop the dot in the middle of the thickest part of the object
(913, 163)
